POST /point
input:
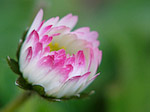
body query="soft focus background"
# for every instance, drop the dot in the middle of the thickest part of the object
(124, 34)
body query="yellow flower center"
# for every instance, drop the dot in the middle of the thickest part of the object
(55, 47)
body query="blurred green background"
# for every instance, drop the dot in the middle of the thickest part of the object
(124, 34)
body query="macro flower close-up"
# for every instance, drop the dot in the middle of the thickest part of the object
(61, 60)
(74, 56)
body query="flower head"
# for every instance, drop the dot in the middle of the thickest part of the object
(62, 61)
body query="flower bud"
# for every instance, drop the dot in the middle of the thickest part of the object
(61, 61)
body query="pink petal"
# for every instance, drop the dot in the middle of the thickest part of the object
(55, 34)
(70, 60)
(29, 54)
(41, 25)
(80, 58)
(33, 37)
(59, 58)
(51, 21)
(83, 29)
(47, 61)
(84, 33)
(38, 48)
(59, 63)
(45, 30)
(37, 21)
(26, 58)
(46, 50)
(60, 54)
(94, 34)
(46, 40)
(65, 71)
(68, 20)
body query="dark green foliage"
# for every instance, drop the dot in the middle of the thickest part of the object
(22, 83)
(13, 65)
(39, 89)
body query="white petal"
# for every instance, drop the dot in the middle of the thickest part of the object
(71, 86)
(87, 83)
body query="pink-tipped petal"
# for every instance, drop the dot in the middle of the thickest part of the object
(26, 57)
(68, 68)
(47, 61)
(80, 58)
(45, 30)
(38, 48)
(46, 51)
(70, 60)
(46, 40)
(55, 34)
(41, 25)
(29, 54)
(37, 21)
(33, 37)
(59, 59)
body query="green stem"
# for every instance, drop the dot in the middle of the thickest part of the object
(12, 106)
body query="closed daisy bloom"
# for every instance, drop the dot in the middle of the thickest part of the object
(62, 61)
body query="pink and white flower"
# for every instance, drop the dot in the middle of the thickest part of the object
(62, 61)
